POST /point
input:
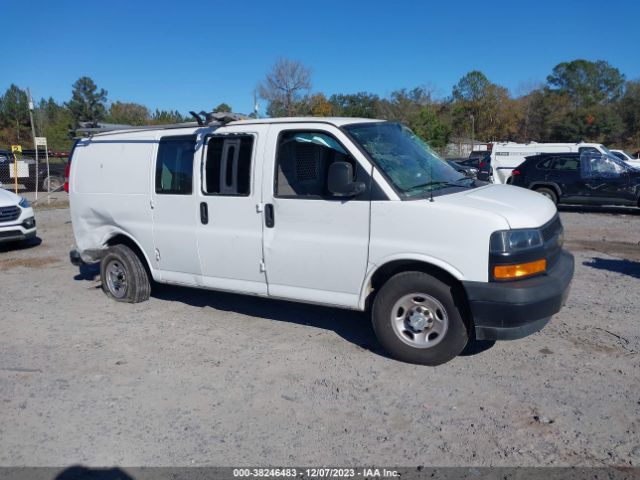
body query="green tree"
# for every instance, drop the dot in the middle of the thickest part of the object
(405, 105)
(478, 103)
(629, 110)
(160, 117)
(87, 103)
(587, 83)
(128, 113)
(431, 129)
(223, 107)
(361, 104)
(14, 114)
(54, 121)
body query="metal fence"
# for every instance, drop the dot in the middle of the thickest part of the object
(36, 175)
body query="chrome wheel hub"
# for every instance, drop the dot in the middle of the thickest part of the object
(419, 320)
(116, 279)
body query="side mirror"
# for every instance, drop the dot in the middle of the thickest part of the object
(340, 180)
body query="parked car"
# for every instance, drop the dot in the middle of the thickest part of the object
(627, 158)
(53, 178)
(505, 156)
(470, 172)
(17, 221)
(481, 162)
(595, 179)
(351, 213)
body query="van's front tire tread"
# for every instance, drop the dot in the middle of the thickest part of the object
(404, 283)
(139, 286)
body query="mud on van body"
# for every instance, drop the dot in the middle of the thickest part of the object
(353, 213)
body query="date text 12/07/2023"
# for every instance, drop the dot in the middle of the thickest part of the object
(320, 472)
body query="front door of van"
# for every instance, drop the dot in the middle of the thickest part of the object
(230, 218)
(174, 208)
(315, 244)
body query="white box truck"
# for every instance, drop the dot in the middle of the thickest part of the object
(352, 213)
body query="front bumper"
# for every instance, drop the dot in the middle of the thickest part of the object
(13, 232)
(511, 310)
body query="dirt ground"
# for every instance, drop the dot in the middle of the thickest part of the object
(204, 378)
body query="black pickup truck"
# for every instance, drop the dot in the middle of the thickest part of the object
(55, 179)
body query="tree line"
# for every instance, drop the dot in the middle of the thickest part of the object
(580, 100)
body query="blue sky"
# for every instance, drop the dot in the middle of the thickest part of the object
(194, 55)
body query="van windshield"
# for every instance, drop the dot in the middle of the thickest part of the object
(407, 161)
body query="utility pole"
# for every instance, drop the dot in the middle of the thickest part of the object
(33, 133)
(473, 131)
(255, 104)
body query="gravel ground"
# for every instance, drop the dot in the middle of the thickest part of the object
(204, 378)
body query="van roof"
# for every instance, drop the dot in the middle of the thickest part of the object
(336, 121)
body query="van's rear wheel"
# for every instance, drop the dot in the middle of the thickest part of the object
(550, 194)
(124, 277)
(417, 320)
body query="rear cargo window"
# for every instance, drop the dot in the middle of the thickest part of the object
(227, 170)
(174, 165)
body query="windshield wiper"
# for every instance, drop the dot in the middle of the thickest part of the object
(440, 182)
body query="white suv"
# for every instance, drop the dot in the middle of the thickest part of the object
(354, 213)
(17, 222)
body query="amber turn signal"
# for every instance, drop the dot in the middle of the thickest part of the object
(505, 272)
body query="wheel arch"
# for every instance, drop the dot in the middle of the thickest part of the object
(121, 238)
(392, 266)
(554, 186)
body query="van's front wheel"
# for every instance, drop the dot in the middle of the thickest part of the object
(124, 277)
(417, 320)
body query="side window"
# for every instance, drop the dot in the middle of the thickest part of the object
(227, 168)
(302, 163)
(570, 164)
(545, 164)
(597, 165)
(174, 165)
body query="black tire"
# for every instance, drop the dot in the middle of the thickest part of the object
(56, 183)
(121, 260)
(549, 193)
(403, 285)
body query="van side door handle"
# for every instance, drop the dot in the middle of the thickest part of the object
(269, 219)
(204, 213)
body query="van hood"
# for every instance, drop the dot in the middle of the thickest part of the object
(8, 198)
(520, 207)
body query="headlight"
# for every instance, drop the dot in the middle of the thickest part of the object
(509, 241)
(24, 203)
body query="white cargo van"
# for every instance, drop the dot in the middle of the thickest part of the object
(353, 213)
(506, 156)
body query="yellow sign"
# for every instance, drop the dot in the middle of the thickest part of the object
(16, 148)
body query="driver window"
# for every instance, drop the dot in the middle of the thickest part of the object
(302, 163)
(601, 166)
